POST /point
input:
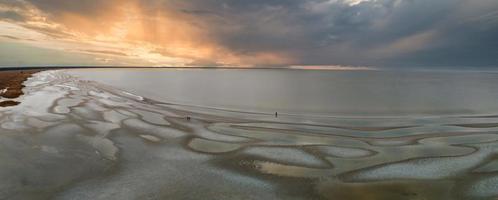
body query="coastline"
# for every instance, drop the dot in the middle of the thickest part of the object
(77, 139)
(11, 85)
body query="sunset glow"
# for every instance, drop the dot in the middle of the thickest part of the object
(249, 99)
(231, 33)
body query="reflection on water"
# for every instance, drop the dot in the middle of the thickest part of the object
(312, 92)
(75, 139)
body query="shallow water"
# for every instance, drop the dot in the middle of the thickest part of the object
(312, 92)
(78, 139)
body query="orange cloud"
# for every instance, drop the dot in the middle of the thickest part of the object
(156, 36)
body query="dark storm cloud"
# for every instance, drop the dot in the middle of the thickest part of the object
(381, 32)
(323, 32)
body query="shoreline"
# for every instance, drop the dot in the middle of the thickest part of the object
(100, 130)
(11, 85)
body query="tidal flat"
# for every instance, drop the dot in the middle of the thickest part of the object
(84, 134)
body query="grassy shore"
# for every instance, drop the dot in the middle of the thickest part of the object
(11, 85)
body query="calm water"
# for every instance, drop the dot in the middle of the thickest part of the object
(313, 92)
(124, 134)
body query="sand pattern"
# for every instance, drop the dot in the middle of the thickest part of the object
(75, 139)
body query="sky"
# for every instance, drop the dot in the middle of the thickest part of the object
(250, 33)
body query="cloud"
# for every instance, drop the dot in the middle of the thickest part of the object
(406, 45)
(401, 33)
(105, 52)
(10, 15)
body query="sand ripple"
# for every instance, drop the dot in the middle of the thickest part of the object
(74, 139)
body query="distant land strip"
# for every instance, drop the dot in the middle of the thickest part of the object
(8, 68)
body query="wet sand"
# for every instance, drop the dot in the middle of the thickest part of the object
(78, 139)
(11, 85)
